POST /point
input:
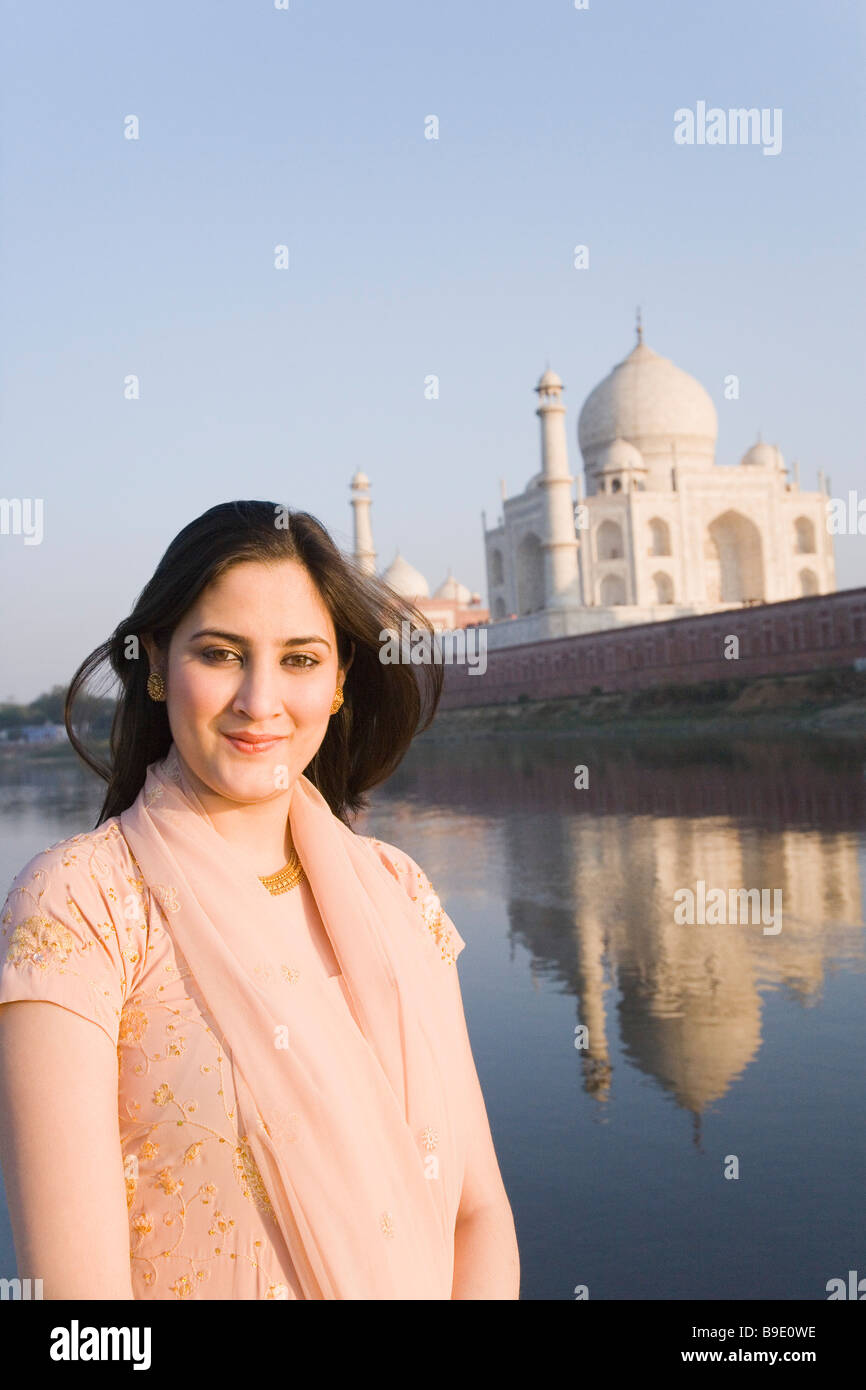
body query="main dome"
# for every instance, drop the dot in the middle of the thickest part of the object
(652, 404)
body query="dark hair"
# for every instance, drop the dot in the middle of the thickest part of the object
(385, 705)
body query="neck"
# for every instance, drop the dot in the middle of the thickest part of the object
(259, 830)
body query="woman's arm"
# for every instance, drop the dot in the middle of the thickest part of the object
(60, 1152)
(486, 1257)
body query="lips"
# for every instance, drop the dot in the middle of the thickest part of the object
(250, 744)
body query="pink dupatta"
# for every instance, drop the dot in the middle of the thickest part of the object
(339, 1113)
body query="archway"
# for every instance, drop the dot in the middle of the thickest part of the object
(664, 588)
(608, 541)
(612, 591)
(530, 575)
(734, 559)
(660, 537)
(808, 583)
(804, 532)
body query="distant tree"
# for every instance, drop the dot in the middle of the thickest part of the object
(92, 712)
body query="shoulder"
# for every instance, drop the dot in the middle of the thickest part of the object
(418, 887)
(78, 906)
(94, 857)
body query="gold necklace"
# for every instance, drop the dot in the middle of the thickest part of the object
(288, 877)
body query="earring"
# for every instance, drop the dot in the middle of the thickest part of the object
(156, 686)
(337, 701)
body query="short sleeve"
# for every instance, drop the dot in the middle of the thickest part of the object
(71, 929)
(419, 888)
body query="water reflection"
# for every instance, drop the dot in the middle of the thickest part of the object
(591, 878)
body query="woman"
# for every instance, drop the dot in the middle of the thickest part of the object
(233, 1057)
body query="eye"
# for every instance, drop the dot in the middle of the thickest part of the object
(212, 655)
(305, 658)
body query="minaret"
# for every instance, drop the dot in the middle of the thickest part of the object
(559, 541)
(365, 555)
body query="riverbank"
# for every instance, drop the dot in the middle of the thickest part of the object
(49, 752)
(821, 703)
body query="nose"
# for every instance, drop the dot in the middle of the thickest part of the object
(257, 696)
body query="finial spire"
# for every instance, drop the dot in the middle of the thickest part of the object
(639, 326)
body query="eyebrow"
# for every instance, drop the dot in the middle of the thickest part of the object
(245, 641)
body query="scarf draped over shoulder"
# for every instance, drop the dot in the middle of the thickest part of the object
(341, 1111)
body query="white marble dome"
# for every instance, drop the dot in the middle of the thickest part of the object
(763, 455)
(360, 480)
(649, 402)
(405, 579)
(452, 589)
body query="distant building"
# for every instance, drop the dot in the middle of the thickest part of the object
(659, 530)
(452, 606)
(39, 733)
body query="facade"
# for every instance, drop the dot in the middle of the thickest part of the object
(450, 607)
(657, 529)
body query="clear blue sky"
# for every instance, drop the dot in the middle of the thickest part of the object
(407, 257)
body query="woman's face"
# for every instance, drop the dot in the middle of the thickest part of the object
(250, 676)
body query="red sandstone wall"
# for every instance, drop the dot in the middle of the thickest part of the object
(804, 634)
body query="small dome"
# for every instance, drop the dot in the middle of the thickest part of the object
(405, 579)
(763, 455)
(534, 481)
(360, 480)
(549, 379)
(619, 456)
(452, 589)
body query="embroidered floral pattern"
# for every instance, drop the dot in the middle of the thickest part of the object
(432, 912)
(250, 1178)
(166, 896)
(40, 942)
(434, 916)
(133, 1024)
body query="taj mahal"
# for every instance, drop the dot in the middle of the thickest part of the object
(656, 528)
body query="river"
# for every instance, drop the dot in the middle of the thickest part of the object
(677, 1105)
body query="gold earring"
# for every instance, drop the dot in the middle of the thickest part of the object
(337, 701)
(156, 686)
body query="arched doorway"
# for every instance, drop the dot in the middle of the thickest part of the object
(612, 591)
(734, 559)
(664, 587)
(660, 537)
(530, 575)
(608, 541)
(804, 532)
